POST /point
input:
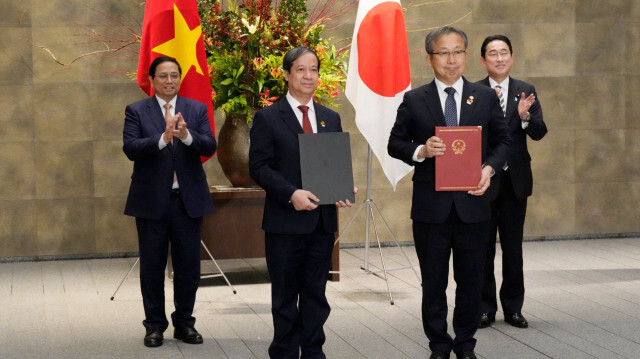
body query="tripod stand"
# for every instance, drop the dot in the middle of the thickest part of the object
(370, 219)
(212, 275)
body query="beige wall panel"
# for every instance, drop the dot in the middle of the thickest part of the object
(551, 210)
(16, 121)
(112, 170)
(65, 227)
(15, 13)
(604, 10)
(606, 207)
(550, 49)
(64, 169)
(598, 54)
(15, 63)
(553, 157)
(17, 170)
(66, 43)
(63, 112)
(599, 104)
(557, 96)
(632, 50)
(596, 154)
(17, 228)
(632, 101)
(630, 155)
(115, 232)
(547, 11)
(57, 13)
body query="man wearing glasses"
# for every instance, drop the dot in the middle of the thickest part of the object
(512, 185)
(447, 222)
(165, 135)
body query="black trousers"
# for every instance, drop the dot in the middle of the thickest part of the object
(154, 236)
(434, 245)
(507, 218)
(299, 268)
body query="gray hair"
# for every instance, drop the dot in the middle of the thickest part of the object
(434, 35)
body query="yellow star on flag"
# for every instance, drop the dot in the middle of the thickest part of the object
(183, 46)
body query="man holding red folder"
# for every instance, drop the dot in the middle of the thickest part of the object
(446, 222)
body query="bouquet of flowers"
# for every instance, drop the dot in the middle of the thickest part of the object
(245, 44)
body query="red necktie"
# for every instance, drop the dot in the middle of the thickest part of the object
(306, 124)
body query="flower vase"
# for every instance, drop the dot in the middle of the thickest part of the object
(233, 151)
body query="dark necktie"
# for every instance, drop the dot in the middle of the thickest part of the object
(450, 109)
(306, 124)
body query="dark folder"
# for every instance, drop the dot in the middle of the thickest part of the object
(325, 164)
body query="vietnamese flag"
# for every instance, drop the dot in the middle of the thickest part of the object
(172, 28)
(379, 76)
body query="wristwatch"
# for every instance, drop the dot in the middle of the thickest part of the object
(526, 119)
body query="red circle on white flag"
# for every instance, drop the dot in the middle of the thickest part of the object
(383, 52)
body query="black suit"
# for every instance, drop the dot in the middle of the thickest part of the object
(298, 243)
(509, 203)
(445, 222)
(163, 216)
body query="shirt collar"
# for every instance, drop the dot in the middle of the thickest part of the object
(457, 85)
(163, 102)
(504, 84)
(294, 103)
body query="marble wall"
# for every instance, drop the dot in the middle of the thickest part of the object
(64, 177)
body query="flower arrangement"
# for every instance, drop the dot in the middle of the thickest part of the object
(245, 44)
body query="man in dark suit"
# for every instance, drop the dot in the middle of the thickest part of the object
(513, 183)
(446, 222)
(299, 234)
(165, 135)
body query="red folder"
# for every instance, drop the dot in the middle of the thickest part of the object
(460, 168)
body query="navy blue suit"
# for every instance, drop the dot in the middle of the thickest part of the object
(449, 222)
(298, 243)
(509, 203)
(163, 216)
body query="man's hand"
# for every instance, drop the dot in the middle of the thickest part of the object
(169, 129)
(346, 202)
(181, 132)
(525, 104)
(433, 147)
(301, 200)
(485, 181)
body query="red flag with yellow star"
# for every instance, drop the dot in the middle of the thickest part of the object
(172, 28)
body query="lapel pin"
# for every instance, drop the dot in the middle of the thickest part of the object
(322, 123)
(470, 100)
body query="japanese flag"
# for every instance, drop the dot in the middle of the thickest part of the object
(379, 76)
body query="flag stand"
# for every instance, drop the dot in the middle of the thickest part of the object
(370, 219)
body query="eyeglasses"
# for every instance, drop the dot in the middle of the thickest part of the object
(446, 54)
(494, 54)
(163, 77)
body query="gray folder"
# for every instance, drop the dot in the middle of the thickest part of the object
(325, 163)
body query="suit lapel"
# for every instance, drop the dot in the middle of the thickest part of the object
(468, 104)
(432, 102)
(154, 113)
(288, 116)
(513, 98)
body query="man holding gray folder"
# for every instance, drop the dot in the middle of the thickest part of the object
(299, 234)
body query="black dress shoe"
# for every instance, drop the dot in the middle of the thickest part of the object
(516, 319)
(486, 319)
(187, 334)
(439, 355)
(153, 338)
(466, 355)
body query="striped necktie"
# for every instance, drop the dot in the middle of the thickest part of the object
(501, 97)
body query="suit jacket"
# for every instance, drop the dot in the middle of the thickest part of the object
(274, 163)
(153, 168)
(518, 157)
(418, 115)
